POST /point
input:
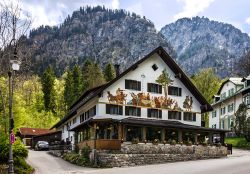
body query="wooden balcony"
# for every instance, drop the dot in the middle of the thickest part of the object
(101, 144)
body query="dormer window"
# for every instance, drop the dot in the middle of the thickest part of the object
(247, 83)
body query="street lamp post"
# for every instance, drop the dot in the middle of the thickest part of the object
(15, 67)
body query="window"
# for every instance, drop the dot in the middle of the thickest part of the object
(133, 84)
(247, 100)
(172, 90)
(114, 109)
(223, 111)
(214, 114)
(230, 107)
(223, 95)
(74, 120)
(214, 126)
(175, 115)
(154, 113)
(247, 83)
(88, 114)
(188, 116)
(155, 67)
(231, 92)
(132, 111)
(152, 87)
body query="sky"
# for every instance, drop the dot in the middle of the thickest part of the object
(160, 12)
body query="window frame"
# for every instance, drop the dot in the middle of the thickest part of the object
(177, 114)
(159, 113)
(154, 86)
(177, 91)
(133, 85)
(137, 111)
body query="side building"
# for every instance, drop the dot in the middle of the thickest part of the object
(153, 100)
(231, 94)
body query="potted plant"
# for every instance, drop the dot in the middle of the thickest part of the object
(135, 140)
(173, 142)
(156, 141)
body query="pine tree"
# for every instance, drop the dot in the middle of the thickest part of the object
(68, 89)
(96, 77)
(109, 72)
(77, 82)
(86, 74)
(48, 80)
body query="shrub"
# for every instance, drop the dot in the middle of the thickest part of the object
(85, 152)
(19, 155)
(173, 142)
(135, 140)
(77, 159)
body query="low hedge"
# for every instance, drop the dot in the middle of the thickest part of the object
(238, 142)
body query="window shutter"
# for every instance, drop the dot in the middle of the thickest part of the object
(138, 111)
(126, 84)
(160, 89)
(139, 86)
(107, 109)
(149, 87)
(149, 113)
(180, 92)
(160, 113)
(126, 110)
(120, 110)
(194, 117)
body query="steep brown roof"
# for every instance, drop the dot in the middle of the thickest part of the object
(33, 131)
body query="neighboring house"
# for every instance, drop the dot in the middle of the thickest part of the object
(134, 107)
(231, 94)
(26, 134)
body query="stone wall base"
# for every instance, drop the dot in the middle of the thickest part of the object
(156, 154)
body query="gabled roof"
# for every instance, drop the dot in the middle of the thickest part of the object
(171, 64)
(33, 131)
(234, 80)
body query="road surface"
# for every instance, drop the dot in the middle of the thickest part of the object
(44, 163)
(238, 163)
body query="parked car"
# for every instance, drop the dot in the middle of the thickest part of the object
(42, 145)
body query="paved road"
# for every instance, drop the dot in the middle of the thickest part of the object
(44, 163)
(238, 163)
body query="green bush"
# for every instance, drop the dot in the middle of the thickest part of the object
(77, 159)
(19, 155)
(238, 142)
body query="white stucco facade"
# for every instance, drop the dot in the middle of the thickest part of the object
(226, 103)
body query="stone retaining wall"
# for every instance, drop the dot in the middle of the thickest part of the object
(141, 154)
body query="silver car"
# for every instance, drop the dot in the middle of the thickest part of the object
(42, 145)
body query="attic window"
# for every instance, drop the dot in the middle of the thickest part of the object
(155, 67)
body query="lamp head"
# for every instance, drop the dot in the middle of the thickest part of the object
(15, 64)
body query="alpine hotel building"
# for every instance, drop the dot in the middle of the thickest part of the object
(153, 100)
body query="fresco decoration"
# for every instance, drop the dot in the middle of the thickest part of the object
(188, 103)
(119, 98)
(143, 99)
(165, 80)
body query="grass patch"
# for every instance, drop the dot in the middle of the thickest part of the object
(238, 142)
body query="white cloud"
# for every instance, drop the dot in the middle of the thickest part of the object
(192, 8)
(248, 20)
(115, 4)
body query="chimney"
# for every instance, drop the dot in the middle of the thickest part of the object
(117, 69)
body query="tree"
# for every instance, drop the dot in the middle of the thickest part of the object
(241, 120)
(243, 65)
(77, 82)
(48, 80)
(96, 77)
(208, 83)
(68, 89)
(165, 80)
(92, 75)
(109, 72)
